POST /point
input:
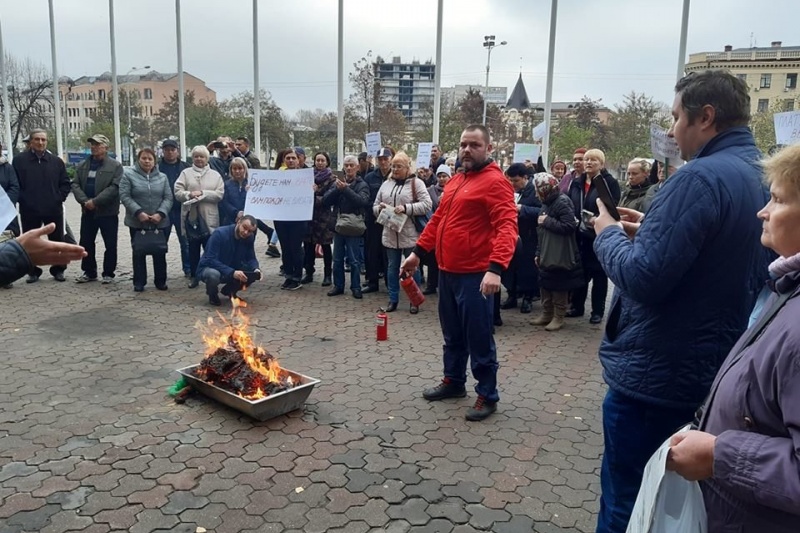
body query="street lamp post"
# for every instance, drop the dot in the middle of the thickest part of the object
(130, 121)
(489, 44)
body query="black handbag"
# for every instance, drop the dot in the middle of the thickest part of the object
(197, 229)
(149, 241)
(420, 221)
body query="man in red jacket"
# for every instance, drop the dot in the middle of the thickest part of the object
(473, 234)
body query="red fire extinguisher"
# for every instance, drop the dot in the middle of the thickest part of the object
(412, 290)
(382, 325)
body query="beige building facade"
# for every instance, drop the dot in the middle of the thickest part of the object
(770, 72)
(81, 97)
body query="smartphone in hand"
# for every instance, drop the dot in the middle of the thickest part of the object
(605, 196)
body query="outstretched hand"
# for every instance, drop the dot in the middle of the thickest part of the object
(45, 252)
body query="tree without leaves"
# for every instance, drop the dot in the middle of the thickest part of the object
(30, 96)
(366, 90)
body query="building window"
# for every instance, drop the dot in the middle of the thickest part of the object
(742, 77)
(148, 94)
(763, 105)
(791, 81)
(766, 81)
(788, 104)
(101, 94)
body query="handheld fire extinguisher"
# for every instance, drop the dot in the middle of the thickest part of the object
(382, 325)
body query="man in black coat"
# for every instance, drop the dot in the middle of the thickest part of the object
(375, 254)
(44, 186)
(171, 165)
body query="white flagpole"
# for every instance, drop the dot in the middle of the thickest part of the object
(256, 92)
(437, 77)
(6, 102)
(56, 95)
(181, 104)
(548, 97)
(684, 31)
(114, 81)
(340, 90)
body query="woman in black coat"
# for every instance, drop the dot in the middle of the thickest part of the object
(521, 279)
(584, 196)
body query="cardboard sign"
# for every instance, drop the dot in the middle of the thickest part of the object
(280, 194)
(526, 152)
(424, 155)
(539, 130)
(663, 146)
(373, 142)
(787, 127)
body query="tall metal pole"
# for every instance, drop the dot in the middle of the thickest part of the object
(56, 95)
(256, 92)
(181, 103)
(130, 126)
(486, 89)
(437, 84)
(114, 81)
(6, 102)
(548, 96)
(684, 31)
(340, 90)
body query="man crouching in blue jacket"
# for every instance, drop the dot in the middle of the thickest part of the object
(230, 258)
(685, 284)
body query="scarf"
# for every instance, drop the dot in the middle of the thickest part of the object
(784, 265)
(321, 176)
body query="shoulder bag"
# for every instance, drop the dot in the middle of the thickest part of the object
(197, 229)
(420, 221)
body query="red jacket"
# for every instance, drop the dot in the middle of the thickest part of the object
(475, 227)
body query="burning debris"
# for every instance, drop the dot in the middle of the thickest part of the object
(235, 363)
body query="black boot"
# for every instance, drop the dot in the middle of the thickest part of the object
(509, 303)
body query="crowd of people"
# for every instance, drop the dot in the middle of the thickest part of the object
(704, 258)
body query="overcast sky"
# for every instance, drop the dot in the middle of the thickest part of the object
(604, 48)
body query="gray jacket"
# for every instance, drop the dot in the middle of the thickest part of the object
(141, 192)
(106, 186)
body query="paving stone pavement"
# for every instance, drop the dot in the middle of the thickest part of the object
(89, 440)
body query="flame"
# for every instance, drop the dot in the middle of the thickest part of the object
(234, 331)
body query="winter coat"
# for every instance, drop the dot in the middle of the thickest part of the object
(522, 271)
(560, 221)
(650, 196)
(323, 218)
(222, 166)
(172, 171)
(106, 186)
(210, 183)
(352, 199)
(144, 193)
(755, 415)
(43, 184)
(635, 197)
(686, 284)
(588, 201)
(475, 228)
(435, 192)
(374, 180)
(14, 262)
(393, 193)
(227, 254)
(10, 184)
(233, 200)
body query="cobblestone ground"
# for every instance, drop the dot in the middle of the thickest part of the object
(89, 440)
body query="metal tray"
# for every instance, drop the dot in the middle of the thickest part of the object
(263, 409)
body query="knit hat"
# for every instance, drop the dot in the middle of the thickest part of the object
(443, 169)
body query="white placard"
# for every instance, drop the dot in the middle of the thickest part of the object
(373, 142)
(526, 152)
(280, 194)
(787, 127)
(539, 130)
(664, 146)
(7, 210)
(424, 155)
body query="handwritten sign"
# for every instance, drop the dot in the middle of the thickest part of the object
(373, 142)
(539, 130)
(424, 155)
(7, 210)
(787, 127)
(526, 152)
(664, 146)
(280, 194)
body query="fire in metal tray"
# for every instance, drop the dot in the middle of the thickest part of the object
(234, 362)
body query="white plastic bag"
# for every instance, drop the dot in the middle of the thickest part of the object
(667, 503)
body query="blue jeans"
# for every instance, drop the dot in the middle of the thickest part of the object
(632, 432)
(175, 220)
(350, 247)
(466, 318)
(395, 256)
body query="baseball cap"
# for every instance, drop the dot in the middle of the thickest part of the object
(98, 139)
(384, 152)
(169, 143)
(299, 150)
(363, 156)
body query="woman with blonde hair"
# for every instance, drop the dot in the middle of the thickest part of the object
(406, 194)
(199, 189)
(635, 195)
